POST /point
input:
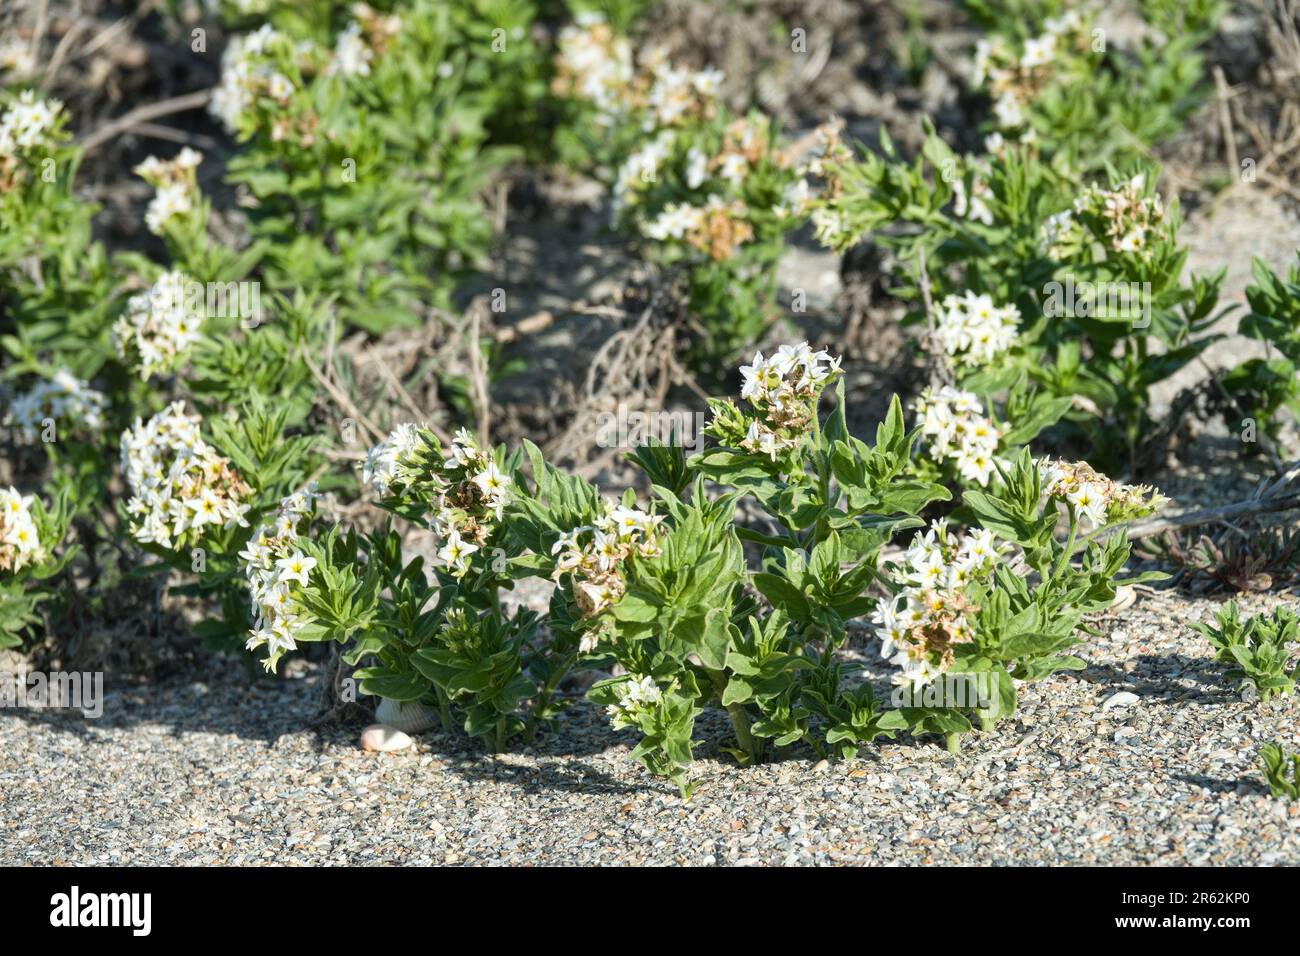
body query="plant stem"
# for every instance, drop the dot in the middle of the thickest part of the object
(444, 709)
(500, 742)
(740, 723)
(987, 724)
(544, 697)
(952, 741)
(1063, 561)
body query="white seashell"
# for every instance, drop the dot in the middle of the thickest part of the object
(1122, 699)
(411, 716)
(1124, 597)
(380, 739)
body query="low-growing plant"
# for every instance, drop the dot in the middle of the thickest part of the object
(1059, 301)
(1261, 387)
(1059, 82)
(368, 141)
(705, 192)
(1281, 771)
(31, 554)
(1256, 647)
(1000, 605)
(195, 488)
(667, 596)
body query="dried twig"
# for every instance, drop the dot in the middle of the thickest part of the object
(143, 114)
(341, 399)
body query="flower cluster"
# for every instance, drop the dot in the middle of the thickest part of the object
(955, 428)
(16, 58)
(20, 543)
(368, 35)
(392, 462)
(975, 331)
(717, 228)
(932, 613)
(975, 205)
(26, 125)
(1015, 80)
(276, 569)
(1123, 217)
(1095, 499)
(594, 554)
(246, 76)
(594, 64)
(676, 93)
(63, 398)
(635, 697)
(175, 184)
(159, 326)
(179, 484)
(467, 490)
(783, 390)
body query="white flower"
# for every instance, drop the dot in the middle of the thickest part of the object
(1038, 51)
(955, 429)
(274, 567)
(62, 398)
(159, 326)
(20, 543)
(351, 54)
(1008, 110)
(177, 481)
(455, 552)
(697, 167)
(296, 567)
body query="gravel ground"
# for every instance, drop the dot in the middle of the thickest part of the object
(216, 771)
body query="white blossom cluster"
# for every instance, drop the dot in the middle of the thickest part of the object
(63, 398)
(595, 64)
(640, 168)
(955, 429)
(676, 92)
(179, 483)
(159, 327)
(20, 543)
(717, 228)
(594, 554)
(1122, 217)
(468, 488)
(391, 461)
(16, 58)
(27, 124)
(974, 330)
(352, 55)
(276, 569)
(1096, 499)
(244, 78)
(1129, 217)
(1015, 79)
(783, 389)
(175, 187)
(635, 697)
(974, 206)
(931, 613)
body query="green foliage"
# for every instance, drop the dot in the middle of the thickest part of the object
(1281, 771)
(1257, 647)
(23, 591)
